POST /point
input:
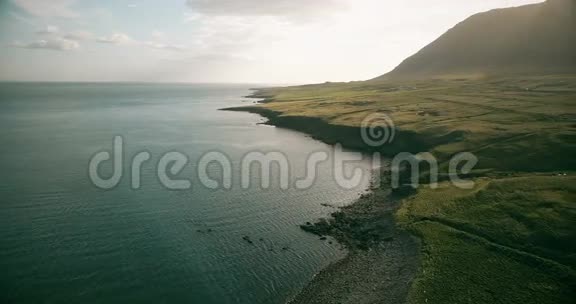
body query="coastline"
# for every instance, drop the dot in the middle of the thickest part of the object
(528, 193)
(382, 260)
(347, 136)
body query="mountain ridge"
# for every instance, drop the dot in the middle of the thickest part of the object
(535, 38)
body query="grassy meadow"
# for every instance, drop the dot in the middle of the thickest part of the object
(510, 239)
(511, 124)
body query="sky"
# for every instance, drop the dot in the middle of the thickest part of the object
(220, 41)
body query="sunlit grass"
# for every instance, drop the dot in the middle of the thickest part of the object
(508, 240)
(511, 239)
(519, 124)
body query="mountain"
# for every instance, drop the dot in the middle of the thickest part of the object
(537, 38)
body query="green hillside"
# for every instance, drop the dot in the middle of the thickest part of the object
(538, 38)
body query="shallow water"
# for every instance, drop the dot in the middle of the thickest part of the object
(65, 240)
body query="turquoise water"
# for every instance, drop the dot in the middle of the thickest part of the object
(64, 240)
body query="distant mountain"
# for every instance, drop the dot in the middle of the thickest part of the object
(537, 38)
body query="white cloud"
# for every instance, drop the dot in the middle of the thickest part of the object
(78, 35)
(163, 46)
(244, 40)
(284, 8)
(48, 8)
(48, 30)
(55, 32)
(22, 19)
(156, 34)
(116, 38)
(158, 42)
(237, 34)
(56, 44)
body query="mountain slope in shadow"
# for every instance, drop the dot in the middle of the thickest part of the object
(537, 38)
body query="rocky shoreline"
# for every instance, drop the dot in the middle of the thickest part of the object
(382, 260)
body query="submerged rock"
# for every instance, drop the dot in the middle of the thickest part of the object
(247, 239)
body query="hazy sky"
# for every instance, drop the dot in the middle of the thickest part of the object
(262, 41)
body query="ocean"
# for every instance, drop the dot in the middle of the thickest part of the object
(63, 239)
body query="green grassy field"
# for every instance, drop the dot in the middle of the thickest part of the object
(511, 239)
(507, 240)
(518, 124)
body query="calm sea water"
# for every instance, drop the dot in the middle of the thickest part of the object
(62, 240)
